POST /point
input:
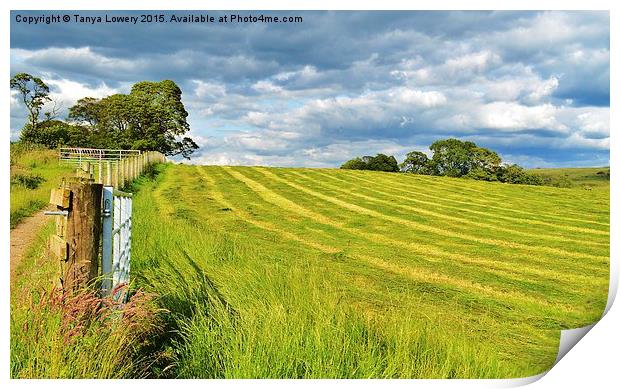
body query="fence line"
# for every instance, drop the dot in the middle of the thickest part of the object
(92, 208)
(109, 167)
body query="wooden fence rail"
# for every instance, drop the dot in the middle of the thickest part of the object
(115, 168)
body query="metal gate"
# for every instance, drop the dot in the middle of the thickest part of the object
(116, 241)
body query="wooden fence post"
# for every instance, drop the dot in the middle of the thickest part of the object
(83, 229)
(125, 171)
(108, 176)
(57, 245)
(116, 175)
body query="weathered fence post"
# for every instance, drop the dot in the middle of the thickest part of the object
(82, 235)
(131, 170)
(116, 174)
(108, 176)
(125, 171)
(57, 244)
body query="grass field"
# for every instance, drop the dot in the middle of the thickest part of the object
(274, 272)
(586, 177)
(35, 170)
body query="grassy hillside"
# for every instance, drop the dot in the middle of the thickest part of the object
(35, 170)
(330, 273)
(586, 177)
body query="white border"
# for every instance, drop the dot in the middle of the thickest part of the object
(592, 363)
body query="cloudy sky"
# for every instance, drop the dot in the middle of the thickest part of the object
(532, 85)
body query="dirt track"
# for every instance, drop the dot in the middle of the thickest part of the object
(22, 237)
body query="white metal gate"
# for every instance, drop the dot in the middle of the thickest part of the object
(116, 240)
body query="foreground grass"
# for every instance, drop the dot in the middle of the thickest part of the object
(54, 335)
(35, 170)
(328, 273)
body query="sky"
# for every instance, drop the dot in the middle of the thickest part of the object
(533, 86)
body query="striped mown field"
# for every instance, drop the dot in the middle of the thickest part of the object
(279, 272)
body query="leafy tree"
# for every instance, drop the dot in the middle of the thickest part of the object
(85, 111)
(355, 164)
(50, 133)
(416, 162)
(515, 174)
(151, 117)
(383, 163)
(34, 93)
(380, 162)
(456, 158)
(486, 160)
(453, 157)
(481, 174)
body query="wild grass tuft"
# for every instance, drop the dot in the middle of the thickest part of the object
(60, 335)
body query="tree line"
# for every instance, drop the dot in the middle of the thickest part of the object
(151, 117)
(453, 158)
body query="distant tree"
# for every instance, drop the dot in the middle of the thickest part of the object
(355, 164)
(515, 174)
(51, 133)
(34, 93)
(485, 160)
(456, 158)
(416, 162)
(380, 162)
(481, 174)
(383, 163)
(452, 157)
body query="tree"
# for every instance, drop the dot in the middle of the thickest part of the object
(151, 117)
(34, 93)
(355, 164)
(416, 162)
(383, 163)
(515, 174)
(50, 133)
(486, 160)
(453, 157)
(380, 162)
(85, 111)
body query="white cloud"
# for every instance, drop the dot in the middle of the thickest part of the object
(544, 89)
(472, 62)
(67, 92)
(513, 116)
(75, 58)
(209, 90)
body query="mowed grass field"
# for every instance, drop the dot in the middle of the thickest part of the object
(280, 272)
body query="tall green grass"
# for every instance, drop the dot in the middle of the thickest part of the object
(81, 336)
(35, 170)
